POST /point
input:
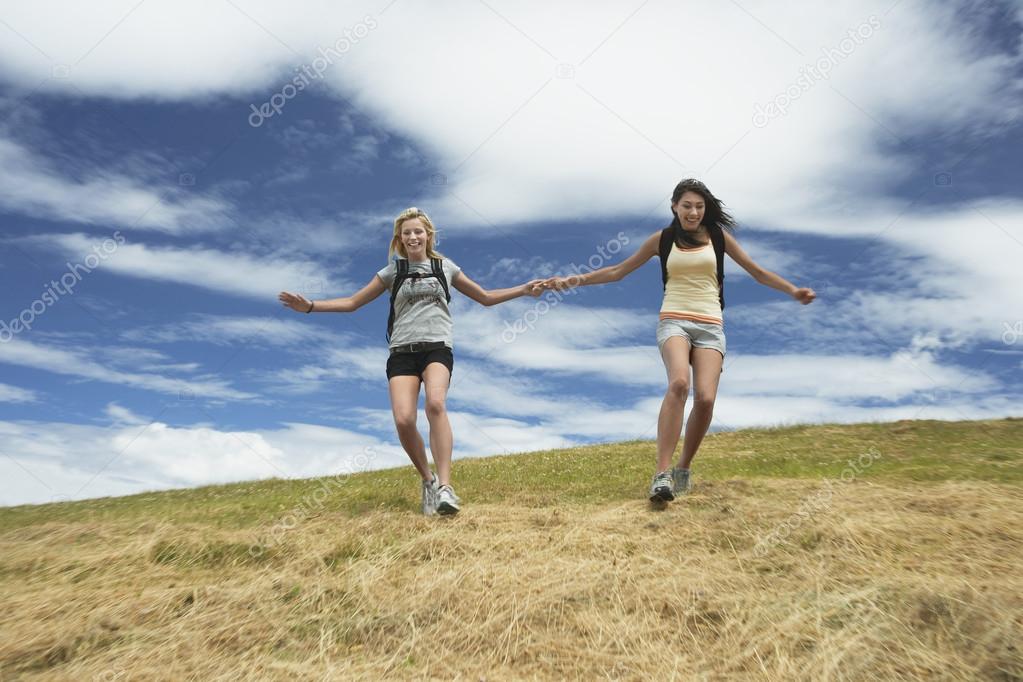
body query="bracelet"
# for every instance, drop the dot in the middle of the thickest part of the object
(311, 304)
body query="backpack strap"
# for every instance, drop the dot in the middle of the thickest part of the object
(438, 271)
(717, 239)
(400, 275)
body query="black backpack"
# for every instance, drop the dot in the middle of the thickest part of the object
(717, 238)
(401, 274)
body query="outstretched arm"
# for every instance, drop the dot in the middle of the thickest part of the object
(611, 273)
(494, 296)
(766, 277)
(347, 304)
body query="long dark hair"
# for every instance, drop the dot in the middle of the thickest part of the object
(714, 215)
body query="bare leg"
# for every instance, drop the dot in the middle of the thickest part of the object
(404, 392)
(706, 376)
(675, 354)
(437, 377)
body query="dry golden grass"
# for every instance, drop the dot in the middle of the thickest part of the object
(889, 580)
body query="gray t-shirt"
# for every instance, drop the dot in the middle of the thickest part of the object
(421, 312)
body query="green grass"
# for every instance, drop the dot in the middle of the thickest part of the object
(919, 451)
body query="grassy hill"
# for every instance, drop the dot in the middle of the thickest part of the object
(869, 551)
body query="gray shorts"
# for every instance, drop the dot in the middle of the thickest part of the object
(698, 334)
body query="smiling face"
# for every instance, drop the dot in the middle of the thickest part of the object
(689, 209)
(415, 239)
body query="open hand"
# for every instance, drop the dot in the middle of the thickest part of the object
(804, 295)
(296, 302)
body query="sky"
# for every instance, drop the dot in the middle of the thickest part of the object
(168, 168)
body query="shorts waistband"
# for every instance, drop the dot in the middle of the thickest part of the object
(419, 347)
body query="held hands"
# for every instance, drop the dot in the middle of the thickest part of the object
(533, 287)
(296, 302)
(805, 295)
(559, 283)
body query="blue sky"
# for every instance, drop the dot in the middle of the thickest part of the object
(536, 139)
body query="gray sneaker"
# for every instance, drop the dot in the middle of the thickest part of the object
(661, 487)
(430, 497)
(680, 479)
(447, 501)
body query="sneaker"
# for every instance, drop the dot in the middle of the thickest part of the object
(430, 497)
(680, 478)
(447, 501)
(661, 488)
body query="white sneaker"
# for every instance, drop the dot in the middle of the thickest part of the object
(447, 501)
(661, 488)
(430, 497)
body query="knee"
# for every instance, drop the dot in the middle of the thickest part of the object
(435, 409)
(405, 421)
(703, 401)
(678, 387)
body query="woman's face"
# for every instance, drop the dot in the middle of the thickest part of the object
(689, 209)
(414, 238)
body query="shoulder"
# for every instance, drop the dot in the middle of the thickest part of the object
(653, 242)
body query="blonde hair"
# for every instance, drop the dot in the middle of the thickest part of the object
(397, 247)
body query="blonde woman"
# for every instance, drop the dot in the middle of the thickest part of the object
(420, 340)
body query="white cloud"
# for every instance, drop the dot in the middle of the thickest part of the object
(237, 274)
(80, 363)
(123, 416)
(231, 330)
(588, 88)
(33, 186)
(16, 394)
(47, 461)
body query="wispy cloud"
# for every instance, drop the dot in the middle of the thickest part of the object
(34, 186)
(81, 363)
(16, 394)
(236, 274)
(228, 330)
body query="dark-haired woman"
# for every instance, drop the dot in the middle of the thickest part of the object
(690, 333)
(420, 339)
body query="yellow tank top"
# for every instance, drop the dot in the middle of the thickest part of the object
(692, 291)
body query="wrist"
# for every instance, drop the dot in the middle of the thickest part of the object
(312, 304)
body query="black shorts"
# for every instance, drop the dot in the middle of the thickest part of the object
(413, 364)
